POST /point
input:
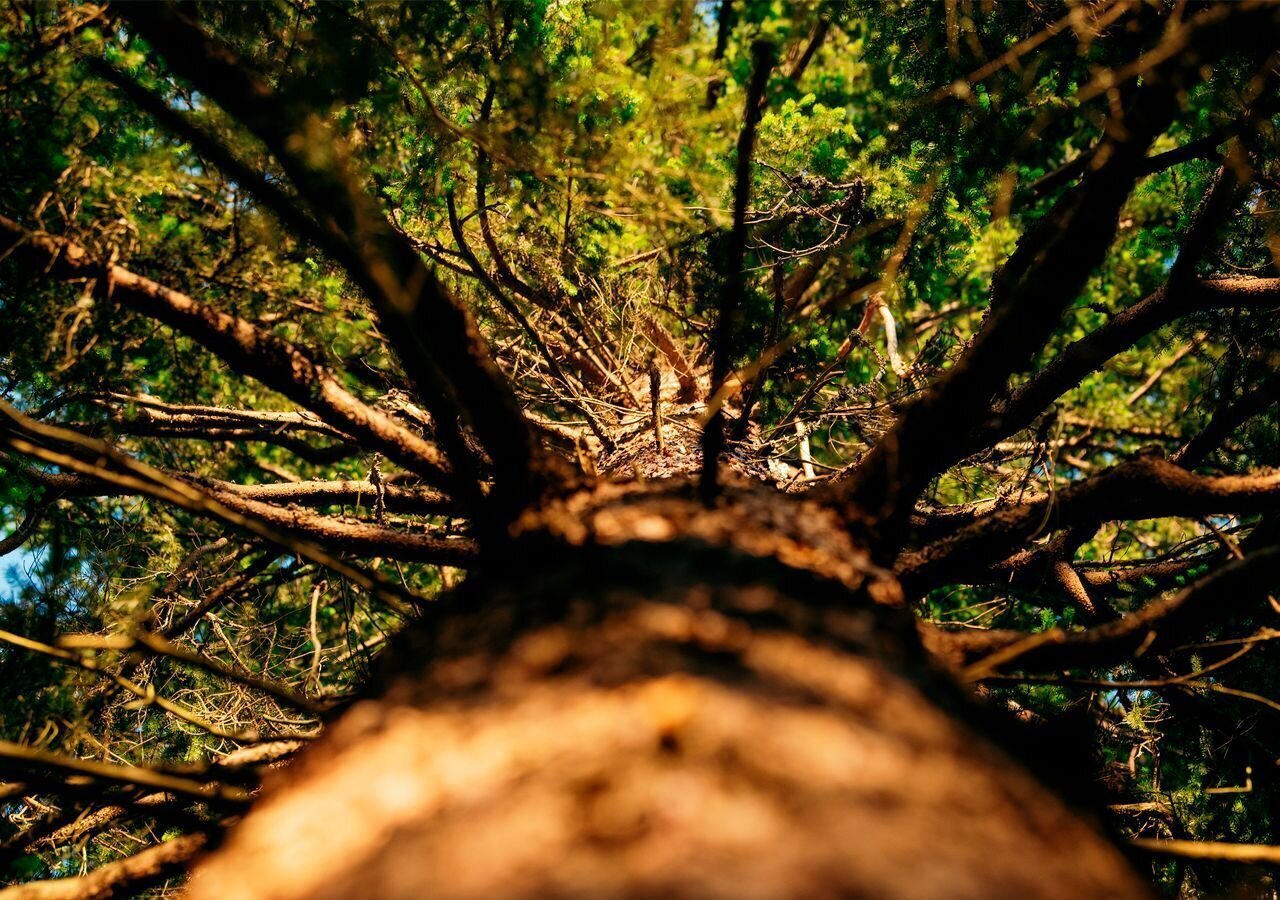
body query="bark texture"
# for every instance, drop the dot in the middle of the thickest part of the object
(645, 697)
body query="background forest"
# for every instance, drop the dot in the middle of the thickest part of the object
(583, 177)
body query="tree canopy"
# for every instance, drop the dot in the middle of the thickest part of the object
(304, 308)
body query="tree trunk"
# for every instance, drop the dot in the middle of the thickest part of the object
(644, 697)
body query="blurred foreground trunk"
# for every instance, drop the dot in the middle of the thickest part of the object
(646, 698)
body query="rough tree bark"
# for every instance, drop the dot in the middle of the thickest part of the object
(641, 696)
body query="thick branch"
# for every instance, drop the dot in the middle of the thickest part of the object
(723, 349)
(20, 756)
(357, 538)
(1200, 148)
(1073, 363)
(248, 349)
(1256, 854)
(434, 336)
(1158, 624)
(395, 498)
(1045, 274)
(1181, 294)
(1142, 488)
(125, 877)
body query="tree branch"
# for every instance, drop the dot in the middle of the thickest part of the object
(1069, 366)
(1142, 488)
(723, 341)
(248, 349)
(124, 877)
(146, 693)
(1044, 274)
(1256, 854)
(1158, 624)
(434, 336)
(19, 755)
(89, 456)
